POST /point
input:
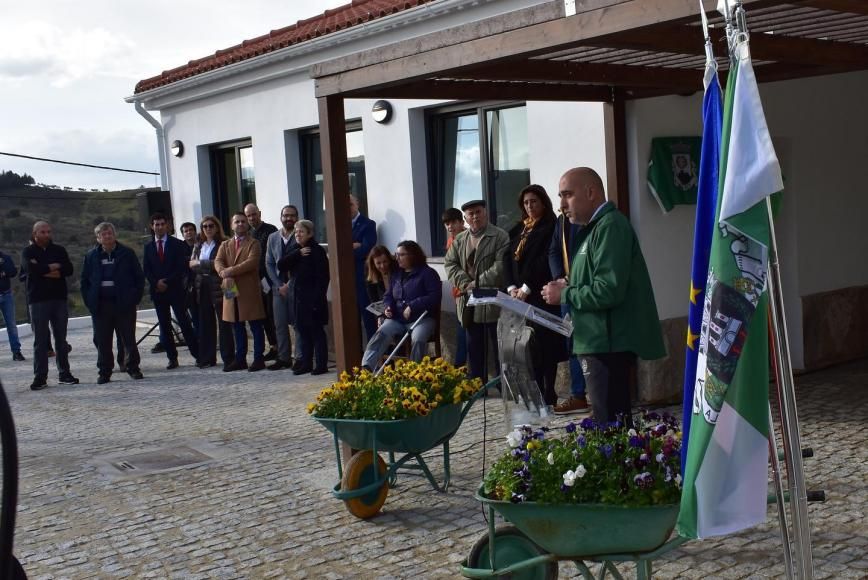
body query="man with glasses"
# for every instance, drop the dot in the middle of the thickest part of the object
(279, 245)
(260, 231)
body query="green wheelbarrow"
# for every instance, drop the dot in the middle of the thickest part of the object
(543, 534)
(366, 478)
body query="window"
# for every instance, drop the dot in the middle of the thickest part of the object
(478, 153)
(311, 162)
(233, 177)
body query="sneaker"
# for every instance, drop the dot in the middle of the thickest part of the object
(573, 405)
(17, 355)
(38, 384)
(67, 379)
(103, 380)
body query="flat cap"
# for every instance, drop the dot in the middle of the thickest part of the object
(472, 203)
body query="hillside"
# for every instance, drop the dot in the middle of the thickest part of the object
(72, 214)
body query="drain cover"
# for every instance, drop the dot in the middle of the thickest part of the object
(161, 460)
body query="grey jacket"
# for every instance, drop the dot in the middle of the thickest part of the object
(489, 270)
(273, 253)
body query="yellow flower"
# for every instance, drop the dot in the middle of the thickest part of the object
(311, 407)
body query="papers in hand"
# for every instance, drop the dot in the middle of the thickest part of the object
(376, 308)
(266, 286)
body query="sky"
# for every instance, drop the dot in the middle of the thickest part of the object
(66, 67)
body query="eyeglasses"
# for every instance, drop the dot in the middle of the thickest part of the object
(208, 226)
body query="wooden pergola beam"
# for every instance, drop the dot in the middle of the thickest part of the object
(595, 19)
(336, 191)
(852, 6)
(462, 89)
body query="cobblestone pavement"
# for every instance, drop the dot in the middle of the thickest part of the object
(267, 511)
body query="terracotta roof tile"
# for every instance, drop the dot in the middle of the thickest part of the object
(340, 18)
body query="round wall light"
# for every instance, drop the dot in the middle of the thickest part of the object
(382, 111)
(177, 148)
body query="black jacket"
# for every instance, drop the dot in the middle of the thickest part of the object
(7, 272)
(308, 284)
(36, 261)
(533, 267)
(128, 278)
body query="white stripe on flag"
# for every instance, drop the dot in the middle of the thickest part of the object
(752, 170)
(735, 466)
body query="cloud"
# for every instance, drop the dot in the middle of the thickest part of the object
(37, 48)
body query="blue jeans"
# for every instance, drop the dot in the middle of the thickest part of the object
(392, 330)
(241, 340)
(7, 307)
(577, 377)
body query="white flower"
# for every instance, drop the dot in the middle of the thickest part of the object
(678, 480)
(550, 458)
(632, 433)
(661, 458)
(644, 457)
(581, 471)
(670, 433)
(514, 438)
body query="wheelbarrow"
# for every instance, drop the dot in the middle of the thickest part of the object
(543, 534)
(366, 478)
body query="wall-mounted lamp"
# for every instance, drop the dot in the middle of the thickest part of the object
(382, 111)
(177, 148)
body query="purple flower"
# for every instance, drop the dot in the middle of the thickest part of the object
(565, 488)
(644, 480)
(588, 424)
(636, 441)
(582, 441)
(606, 450)
(571, 427)
(517, 498)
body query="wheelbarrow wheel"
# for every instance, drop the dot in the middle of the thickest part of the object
(511, 547)
(360, 472)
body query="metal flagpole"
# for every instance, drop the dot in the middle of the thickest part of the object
(801, 548)
(789, 416)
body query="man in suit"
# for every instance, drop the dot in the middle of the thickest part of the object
(237, 264)
(364, 238)
(166, 271)
(280, 243)
(261, 230)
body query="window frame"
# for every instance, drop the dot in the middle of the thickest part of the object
(218, 193)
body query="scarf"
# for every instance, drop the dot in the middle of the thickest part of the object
(529, 223)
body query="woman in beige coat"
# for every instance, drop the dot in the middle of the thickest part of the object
(237, 264)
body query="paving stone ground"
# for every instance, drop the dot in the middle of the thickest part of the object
(267, 512)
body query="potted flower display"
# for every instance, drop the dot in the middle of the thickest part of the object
(589, 488)
(409, 409)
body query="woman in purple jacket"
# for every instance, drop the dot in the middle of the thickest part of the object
(413, 289)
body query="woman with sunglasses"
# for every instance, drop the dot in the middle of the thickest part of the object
(379, 268)
(210, 296)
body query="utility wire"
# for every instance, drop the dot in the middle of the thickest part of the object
(79, 164)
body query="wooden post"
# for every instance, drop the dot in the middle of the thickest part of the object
(336, 190)
(615, 124)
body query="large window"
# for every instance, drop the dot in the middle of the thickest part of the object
(233, 178)
(311, 162)
(478, 153)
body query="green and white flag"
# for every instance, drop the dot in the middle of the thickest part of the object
(726, 474)
(673, 170)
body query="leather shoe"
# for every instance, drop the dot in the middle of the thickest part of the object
(238, 365)
(321, 371)
(103, 380)
(17, 355)
(271, 354)
(257, 365)
(158, 348)
(279, 364)
(301, 370)
(205, 365)
(136, 375)
(173, 364)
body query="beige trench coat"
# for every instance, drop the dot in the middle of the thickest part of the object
(243, 268)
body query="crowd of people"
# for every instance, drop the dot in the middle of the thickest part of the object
(274, 281)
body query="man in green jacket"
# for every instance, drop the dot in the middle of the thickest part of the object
(475, 260)
(609, 293)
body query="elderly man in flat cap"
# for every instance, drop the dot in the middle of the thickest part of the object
(475, 260)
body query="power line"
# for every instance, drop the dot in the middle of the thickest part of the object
(79, 164)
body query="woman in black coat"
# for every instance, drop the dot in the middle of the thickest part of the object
(308, 268)
(526, 271)
(209, 296)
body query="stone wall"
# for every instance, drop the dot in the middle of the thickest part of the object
(835, 326)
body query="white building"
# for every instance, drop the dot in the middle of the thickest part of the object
(247, 120)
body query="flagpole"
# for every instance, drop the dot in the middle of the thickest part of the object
(789, 416)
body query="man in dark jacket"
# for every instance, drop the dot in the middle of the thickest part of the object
(261, 230)
(166, 270)
(7, 304)
(112, 284)
(364, 239)
(47, 266)
(560, 256)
